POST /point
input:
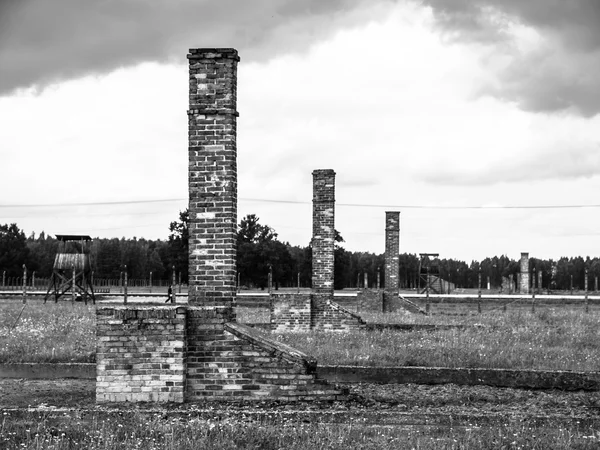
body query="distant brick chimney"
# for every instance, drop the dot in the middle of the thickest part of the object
(392, 251)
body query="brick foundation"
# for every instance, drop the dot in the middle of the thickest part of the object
(290, 312)
(370, 300)
(140, 355)
(186, 353)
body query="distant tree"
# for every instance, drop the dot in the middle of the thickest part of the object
(13, 250)
(178, 245)
(258, 251)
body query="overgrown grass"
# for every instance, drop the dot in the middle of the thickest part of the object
(551, 339)
(161, 432)
(548, 340)
(61, 332)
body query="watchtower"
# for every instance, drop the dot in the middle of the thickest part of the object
(429, 273)
(72, 271)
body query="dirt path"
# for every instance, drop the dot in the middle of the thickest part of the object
(391, 404)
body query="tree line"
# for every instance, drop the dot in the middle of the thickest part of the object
(260, 252)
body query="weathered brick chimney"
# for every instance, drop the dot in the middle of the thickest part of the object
(392, 251)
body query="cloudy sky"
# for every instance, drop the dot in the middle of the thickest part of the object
(474, 118)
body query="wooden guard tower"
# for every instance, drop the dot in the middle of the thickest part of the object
(429, 273)
(72, 271)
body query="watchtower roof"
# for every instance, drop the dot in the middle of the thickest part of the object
(73, 237)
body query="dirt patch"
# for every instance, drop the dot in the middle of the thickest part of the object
(373, 403)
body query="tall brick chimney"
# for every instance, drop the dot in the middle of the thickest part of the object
(524, 279)
(323, 240)
(392, 250)
(212, 176)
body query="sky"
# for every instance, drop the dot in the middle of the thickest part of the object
(478, 120)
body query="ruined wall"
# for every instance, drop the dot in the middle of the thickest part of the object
(185, 353)
(327, 315)
(140, 354)
(290, 312)
(392, 251)
(212, 175)
(524, 279)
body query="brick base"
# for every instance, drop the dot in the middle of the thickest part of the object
(188, 353)
(370, 300)
(314, 311)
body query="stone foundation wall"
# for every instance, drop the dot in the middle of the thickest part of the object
(140, 355)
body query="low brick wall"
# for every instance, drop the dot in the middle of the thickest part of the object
(140, 354)
(308, 311)
(290, 312)
(369, 300)
(194, 353)
(327, 315)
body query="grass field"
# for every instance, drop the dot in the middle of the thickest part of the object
(158, 431)
(552, 339)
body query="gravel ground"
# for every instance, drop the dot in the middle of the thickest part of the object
(374, 403)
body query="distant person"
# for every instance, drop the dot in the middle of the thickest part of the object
(169, 294)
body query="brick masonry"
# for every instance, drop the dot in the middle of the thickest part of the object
(290, 312)
(323, 238)
(392, 252)
(140, 354)
(370, 300)
(524, 278)
(198, 352)
(212, 122)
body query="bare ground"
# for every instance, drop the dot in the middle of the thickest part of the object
(391, 404)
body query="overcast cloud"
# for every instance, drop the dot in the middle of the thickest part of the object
(45, 41)
(556, 71)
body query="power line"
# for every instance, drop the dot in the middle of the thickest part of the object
(298, 202)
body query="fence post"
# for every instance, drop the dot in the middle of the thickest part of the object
(125, 285)
(179, 279)
(3, 278)
(378, 278)
(366, 280)
(73, 286)
(585, 283)
(150, 283)
(239, 288)
(571, 284)
(427, 305)
(533, 293)
(298, 282)
(479, 292)
(270, 278)
(24, 284)
(33, 281)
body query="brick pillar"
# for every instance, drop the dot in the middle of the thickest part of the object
(212, 176)
(392, 251)
(323, 239)
(524, 281)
